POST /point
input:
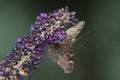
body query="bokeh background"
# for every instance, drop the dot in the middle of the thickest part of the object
(99, 61)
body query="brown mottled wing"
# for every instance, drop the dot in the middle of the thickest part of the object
(63, 52)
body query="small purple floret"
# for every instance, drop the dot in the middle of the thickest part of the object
(1, 72)
(44, 15)
(32, 28)
(19, 40)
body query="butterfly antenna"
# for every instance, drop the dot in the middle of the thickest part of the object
(84, 36)
(82, 45)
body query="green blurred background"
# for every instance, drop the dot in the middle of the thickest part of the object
(99, 61)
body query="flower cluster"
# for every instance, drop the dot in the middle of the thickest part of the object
(27, 52)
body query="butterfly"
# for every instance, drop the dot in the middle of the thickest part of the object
(63, 53)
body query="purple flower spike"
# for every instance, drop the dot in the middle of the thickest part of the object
(44, 15)
(48, 29)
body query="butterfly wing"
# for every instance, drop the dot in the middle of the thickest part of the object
(63, 52)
